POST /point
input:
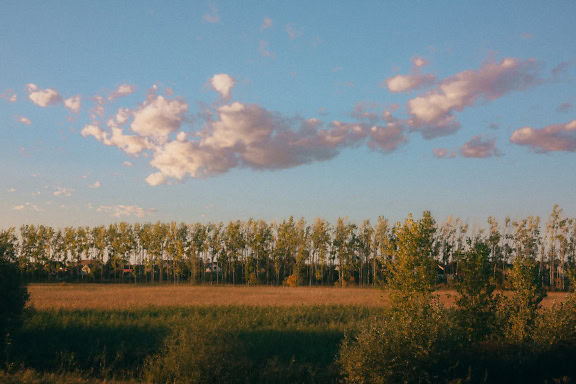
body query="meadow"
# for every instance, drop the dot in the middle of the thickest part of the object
(90, 333)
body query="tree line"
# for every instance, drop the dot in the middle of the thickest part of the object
(291, 252)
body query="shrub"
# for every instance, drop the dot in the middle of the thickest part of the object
(200, 353)
(13, 292)
(397, 349)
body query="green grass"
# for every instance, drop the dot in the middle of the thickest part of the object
(294, 343)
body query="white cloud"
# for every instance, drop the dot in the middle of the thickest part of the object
(67, 192)
(223, 84)
(23, 120)
(26, 206)
(552, 138)
(95, 185)
(43, 97)
(127, 164)
(73, 103)
(126, 210)
(130, 144)
(403, 83)
(11, 190)
(159, 117)
(432, 115)
(122, 90)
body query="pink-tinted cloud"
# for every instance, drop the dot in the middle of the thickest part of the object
(564, 107)
(479, 147)
(432, 115)
(413, 81)
(223, 84)
(552, 138)
(443, 153)
(294, 31)
(9, 95)
(562, 69)
(366, 111)
(418, 62)
(264, 48)
(23, 120)
(266, 24)
(43, 97)
(211, 16)
(403, 83)
(122, 90)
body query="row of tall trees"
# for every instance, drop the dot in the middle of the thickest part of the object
(290, 252)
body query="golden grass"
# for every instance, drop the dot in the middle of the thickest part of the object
(125, 296)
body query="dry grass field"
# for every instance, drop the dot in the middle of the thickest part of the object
(124, 296)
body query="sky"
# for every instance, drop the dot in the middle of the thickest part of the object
(214, 111)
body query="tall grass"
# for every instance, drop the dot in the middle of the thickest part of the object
(164, 344)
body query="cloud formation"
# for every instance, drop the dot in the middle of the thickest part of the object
(159, 117)
(211, 16)
(443, 153)
(413, 81)
(95, 185)
(552, 138)
(27, 206)
(223, 84)
(266, 24)
(73, 104)
(9, 95)
(294, 31)
(479, 148)
(432, 115)
(43, 97)
(23, 120)
(67, 192)
(122, 90)
(126, 210)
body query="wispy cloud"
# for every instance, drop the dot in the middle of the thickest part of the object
(294, 31)
(126, 210)
(23, 120)
(9, 95)
(211, 16)
(64, 192)
(27, 206)
(267, 23)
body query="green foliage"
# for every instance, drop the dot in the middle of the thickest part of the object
(13, 292)
(397, 349)
(477, 306)
(521, 308)
(407, 345)
(200, 354)
(412, 272)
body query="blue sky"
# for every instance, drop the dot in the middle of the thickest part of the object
(215, 111)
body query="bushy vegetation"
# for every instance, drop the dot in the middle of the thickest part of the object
(485, 337)
(290, 252)
(13, 292)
